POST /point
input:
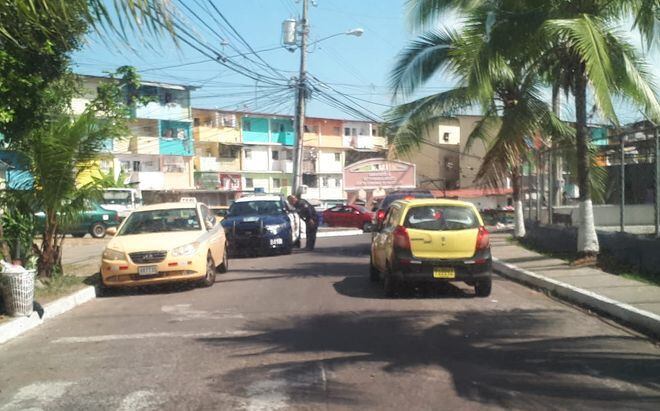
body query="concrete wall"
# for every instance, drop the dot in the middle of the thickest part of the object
(606, 215)
(638, 252)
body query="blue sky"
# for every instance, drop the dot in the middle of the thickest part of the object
(354, 66)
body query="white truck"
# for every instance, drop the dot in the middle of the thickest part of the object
(121, 200)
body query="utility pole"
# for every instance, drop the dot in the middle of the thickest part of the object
(301, 95)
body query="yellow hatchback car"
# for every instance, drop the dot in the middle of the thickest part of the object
(164, 243)
(431, 240)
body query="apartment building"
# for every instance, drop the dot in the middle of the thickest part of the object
(159, 152)
(217, 150)
(445, 165)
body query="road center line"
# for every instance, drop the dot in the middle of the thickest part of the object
(142, 336)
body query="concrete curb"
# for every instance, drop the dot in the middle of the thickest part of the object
(17, 326)
(344, 233)
(641, 320)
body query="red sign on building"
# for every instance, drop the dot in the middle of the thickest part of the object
(379, 174)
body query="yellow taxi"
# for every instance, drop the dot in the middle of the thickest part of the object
(164, 243)
(431, 240)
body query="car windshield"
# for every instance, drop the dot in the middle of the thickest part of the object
(161, 221)
(398, 196)
(441, 218)
(117, 197)
(257, 207)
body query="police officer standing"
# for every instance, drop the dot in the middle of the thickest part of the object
(308, 214)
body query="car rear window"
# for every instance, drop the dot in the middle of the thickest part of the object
(398, 196)
(441, 218)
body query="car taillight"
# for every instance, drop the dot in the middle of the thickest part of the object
(401, 238)
(380, 216)
(483, 238)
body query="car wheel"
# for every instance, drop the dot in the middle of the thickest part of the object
(224, 266)
(97, 230)
(390, 285)
(482, 288)
(366, 227)
(209, 278)
(374, 274)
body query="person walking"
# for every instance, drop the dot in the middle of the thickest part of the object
(308, 214)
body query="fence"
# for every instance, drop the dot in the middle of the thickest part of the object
(630, 201)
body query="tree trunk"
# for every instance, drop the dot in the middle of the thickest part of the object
(519, 218)
(587, 238)
(558, 163)
(49, 254)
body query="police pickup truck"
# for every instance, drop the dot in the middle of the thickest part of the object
(261, 224)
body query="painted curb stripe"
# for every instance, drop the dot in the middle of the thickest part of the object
(17, 326)
(642, 319)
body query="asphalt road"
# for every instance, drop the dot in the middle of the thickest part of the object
(309, 331)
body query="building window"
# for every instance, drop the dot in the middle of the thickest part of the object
(325, 182)
(337, 157)
(248, 154)
(310, 180)
(125, 166)
(276, 183)
(247, 125)
(338, 182)
(249, 183)
(289, 155)
(136, 166)
(336, 131)
(281, 128)
(347, 131)
(445, 137)
(173, 164)
(106, 166)
(196, 122)
(228, 151)
(275, 155)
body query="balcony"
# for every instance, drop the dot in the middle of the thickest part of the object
(229, 164)
(365, 142)
(206, 134)
(311, 140)
(209, 164)
(331, 141)
(158, 111)
(145, 145)
(147, 180)
(285, 166)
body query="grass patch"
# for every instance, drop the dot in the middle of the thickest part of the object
(610, 265)
(605, 262)
(58, 286)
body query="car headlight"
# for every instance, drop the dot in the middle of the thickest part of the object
(185, 250)
(112, 255)
(275, 228)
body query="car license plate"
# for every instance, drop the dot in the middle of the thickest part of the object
(444, 272)
(148, 270)
(276, 241)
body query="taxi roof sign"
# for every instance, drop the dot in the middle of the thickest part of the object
(192, 200)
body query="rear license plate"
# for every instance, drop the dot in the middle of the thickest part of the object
(444, 272)
(276, 241)
(148, 270)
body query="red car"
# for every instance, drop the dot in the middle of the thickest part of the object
(348, 216)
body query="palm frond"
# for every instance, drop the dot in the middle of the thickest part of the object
(420, 60)
(424, 13)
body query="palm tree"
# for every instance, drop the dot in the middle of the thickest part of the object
(595, 55)
(506, 87)
(60, 152)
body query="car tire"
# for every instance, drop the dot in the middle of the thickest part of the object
(482, 288)
(97, 230)
(224, 266)
(374, 274)
(366, 227)
(209, 278)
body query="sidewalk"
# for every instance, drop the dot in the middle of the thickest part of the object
(632, 302)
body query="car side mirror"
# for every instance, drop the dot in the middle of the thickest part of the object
(111, 231)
